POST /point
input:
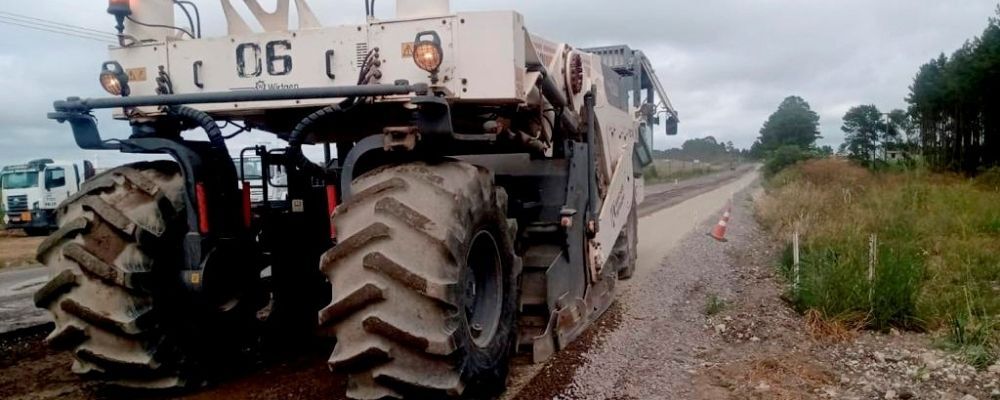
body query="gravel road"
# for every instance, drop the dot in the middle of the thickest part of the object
(647, 345)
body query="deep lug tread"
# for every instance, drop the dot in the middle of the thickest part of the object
(446, 293)
(370, 356)
(110, 364)
(374, 192)
(446, 243)
(110, 214)
(104, 256)
(129, 328)
(102, 270)
(66, 337)
(353, 302)
(414, 342)
(138, 180)
(373, 232)
(421, 388)
(64, 232)
(56, 287)
(405, 336)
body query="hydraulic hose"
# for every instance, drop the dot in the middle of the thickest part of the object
(204, 121)
(298, 137)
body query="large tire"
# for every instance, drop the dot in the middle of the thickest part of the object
(406, 298)
(626, 252)
(115, 293)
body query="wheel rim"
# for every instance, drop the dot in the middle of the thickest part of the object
(483, 288)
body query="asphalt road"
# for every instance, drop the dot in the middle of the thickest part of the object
(17, 310)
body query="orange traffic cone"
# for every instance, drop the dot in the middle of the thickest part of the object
(719, 233)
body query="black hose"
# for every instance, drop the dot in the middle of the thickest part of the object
(197, 15)
(161, 26)
(187, 13)
(204, 121)
(298, 137)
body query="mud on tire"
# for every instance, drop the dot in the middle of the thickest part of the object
(414, 310)
(114, 264)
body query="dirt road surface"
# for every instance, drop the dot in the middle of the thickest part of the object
(17, 310)
(16, 250)
(700, 320)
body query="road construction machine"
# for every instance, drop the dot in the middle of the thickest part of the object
(482, 202)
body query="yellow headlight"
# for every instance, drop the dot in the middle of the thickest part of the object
(428, 56)
(427, 51)
(114, 79)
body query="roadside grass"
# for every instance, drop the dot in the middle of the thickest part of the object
(715, 304)
(938, 250)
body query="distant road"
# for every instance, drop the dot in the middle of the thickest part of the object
(664, 195)
(17, 308)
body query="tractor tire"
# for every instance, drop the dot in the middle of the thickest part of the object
(115, 294)
(424, 284)
(626, 252)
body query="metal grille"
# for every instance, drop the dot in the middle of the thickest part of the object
(17, 203)
(362, 52)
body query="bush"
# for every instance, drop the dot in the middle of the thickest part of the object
(783, 157)
(989, 179)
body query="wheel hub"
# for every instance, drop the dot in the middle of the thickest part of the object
(483, 288)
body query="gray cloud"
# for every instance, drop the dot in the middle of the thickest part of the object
(727, 63)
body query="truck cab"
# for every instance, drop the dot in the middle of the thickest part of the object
(32, 192)
(251, 171)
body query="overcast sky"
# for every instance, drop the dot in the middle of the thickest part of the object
(726, 64)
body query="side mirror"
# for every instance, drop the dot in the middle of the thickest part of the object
(671, 126)
(88, 170)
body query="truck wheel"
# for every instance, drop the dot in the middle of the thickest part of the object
(424, 284)
(114, 295)
(626, 252)
(34, 232)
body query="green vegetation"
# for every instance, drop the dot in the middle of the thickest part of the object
(871, 134)
(788, 137)
(793, 124)
(955, 103)
(705, 150)
(938, 252)
(715, 305)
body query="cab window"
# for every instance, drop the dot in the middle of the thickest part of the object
(55, 178)
(643, 152)
(20, 180)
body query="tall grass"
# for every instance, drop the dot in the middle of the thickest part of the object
(938, 250)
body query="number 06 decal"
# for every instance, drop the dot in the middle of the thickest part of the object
(250, 65)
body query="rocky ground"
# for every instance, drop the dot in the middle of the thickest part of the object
(710, 324)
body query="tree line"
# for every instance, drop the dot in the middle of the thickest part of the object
(953, 118)
(955, 104)
(706, 149)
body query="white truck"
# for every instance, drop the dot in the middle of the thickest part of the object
(32, 191)
(250, 171)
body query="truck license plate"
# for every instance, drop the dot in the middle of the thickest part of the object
(26, 216)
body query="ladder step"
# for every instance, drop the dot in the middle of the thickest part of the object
(534, 289)
(541, 256)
